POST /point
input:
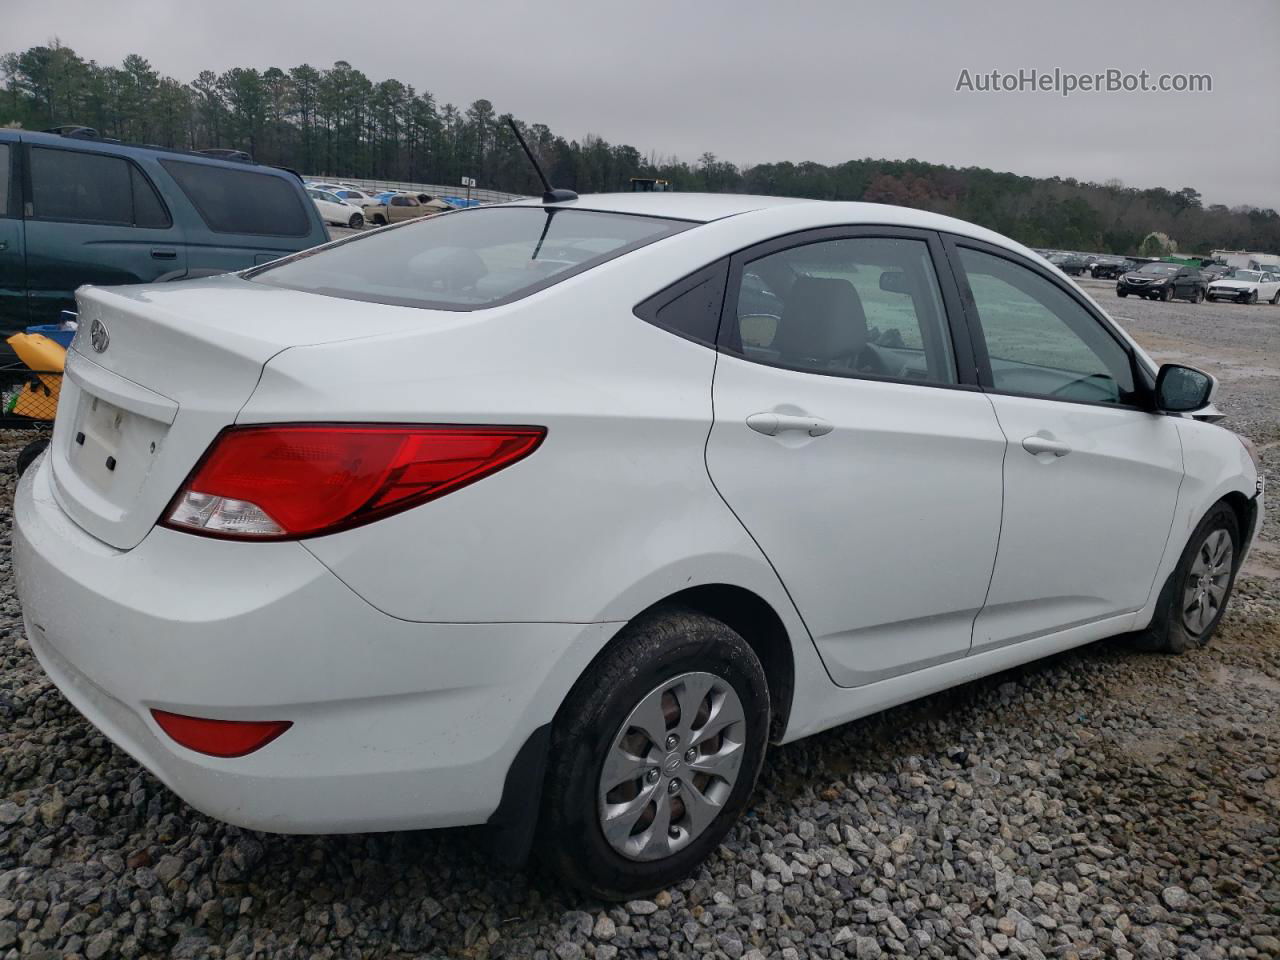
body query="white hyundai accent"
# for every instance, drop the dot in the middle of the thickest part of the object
(553, 516)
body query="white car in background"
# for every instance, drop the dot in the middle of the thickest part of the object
(554, 516)
(1246, 286)
(333, 209)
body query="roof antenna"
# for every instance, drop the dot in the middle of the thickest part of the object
(549, 194)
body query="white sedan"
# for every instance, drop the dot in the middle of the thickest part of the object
(333, 209)
(1246, 286)
(557, 515)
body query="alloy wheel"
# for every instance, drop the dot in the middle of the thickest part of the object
(1205, 589)
(671, 766)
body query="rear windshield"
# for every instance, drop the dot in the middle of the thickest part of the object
(467, 259)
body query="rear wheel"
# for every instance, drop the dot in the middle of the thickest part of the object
(1198, 296)
(1195, 596)
(653, 756)
(1276, 298)
(356, 221)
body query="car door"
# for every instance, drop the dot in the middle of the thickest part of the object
(847, 445)
(1091, 475)
(404, 208)
(13, 265)
(95, 218)
(1270, 286)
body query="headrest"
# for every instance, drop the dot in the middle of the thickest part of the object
(822, 320)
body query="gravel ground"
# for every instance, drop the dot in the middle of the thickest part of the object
(1102, 803)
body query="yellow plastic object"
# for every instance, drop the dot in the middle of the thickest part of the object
(39, 400)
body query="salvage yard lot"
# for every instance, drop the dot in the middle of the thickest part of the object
(1100, 803)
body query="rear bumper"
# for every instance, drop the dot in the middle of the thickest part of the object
(396, 724)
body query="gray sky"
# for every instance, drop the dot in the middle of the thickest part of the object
(755, 81)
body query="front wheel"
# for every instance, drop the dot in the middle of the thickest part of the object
(654, 754)
(1166, 294)
(1253, 297)
(1122, 294)
(1195, 596)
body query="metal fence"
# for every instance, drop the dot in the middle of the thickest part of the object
(28, 398)
(435, 189)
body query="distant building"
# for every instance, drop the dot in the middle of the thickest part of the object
(1248, 259)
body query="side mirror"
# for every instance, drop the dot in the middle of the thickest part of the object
(1182, 389)
(894, 281)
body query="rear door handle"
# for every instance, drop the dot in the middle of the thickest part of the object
(1035, 444)
(164, 253)
(772, 424)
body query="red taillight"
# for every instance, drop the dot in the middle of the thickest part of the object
(220, 738)
(284, 482)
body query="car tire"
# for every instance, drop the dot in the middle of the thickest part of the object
(657, 660)
(356, 221)
(1122, 294)
(27, 455)
(1186, 615)
(379, 220)
(1198, 296)
(1253, 297)
(1166, 294)
(1276, 298)
(1211, 298)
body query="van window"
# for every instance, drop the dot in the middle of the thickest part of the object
(241, 201)
(81, 186)
(468, 259)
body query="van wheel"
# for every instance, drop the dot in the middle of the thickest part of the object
(356, 221)
(654, 755)
(1196, 594)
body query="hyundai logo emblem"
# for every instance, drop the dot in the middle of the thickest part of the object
(99, 337)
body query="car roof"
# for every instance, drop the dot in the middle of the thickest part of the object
(701, 207)
(706, 207)
(127, 149)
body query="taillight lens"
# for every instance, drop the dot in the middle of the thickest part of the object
(302, 480)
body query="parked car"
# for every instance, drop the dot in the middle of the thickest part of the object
(355, 197)
(76, 210)
(333, 209)
(1246, 286)
(1163, 281)
(397, 207)
(1072, 264)
(449, 537)
(1214, 271)
(1110, 268)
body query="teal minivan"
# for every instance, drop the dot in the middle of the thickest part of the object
(77, 209)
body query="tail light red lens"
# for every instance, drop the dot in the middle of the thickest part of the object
(220, 738)
(303, 480)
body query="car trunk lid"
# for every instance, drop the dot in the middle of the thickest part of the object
(154, 374)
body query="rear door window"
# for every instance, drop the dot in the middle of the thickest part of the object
(80, 186)
(241, 201)
(468, 259)
(86, 187)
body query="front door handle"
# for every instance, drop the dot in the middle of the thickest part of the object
(772, 424)
(164, 253)
(1035, 444)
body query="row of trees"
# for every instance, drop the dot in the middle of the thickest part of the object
(339, 122)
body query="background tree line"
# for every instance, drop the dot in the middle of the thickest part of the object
(338, 122)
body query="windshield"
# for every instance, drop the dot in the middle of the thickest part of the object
(467, 259)
(1250, 275)
(1159, 269)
